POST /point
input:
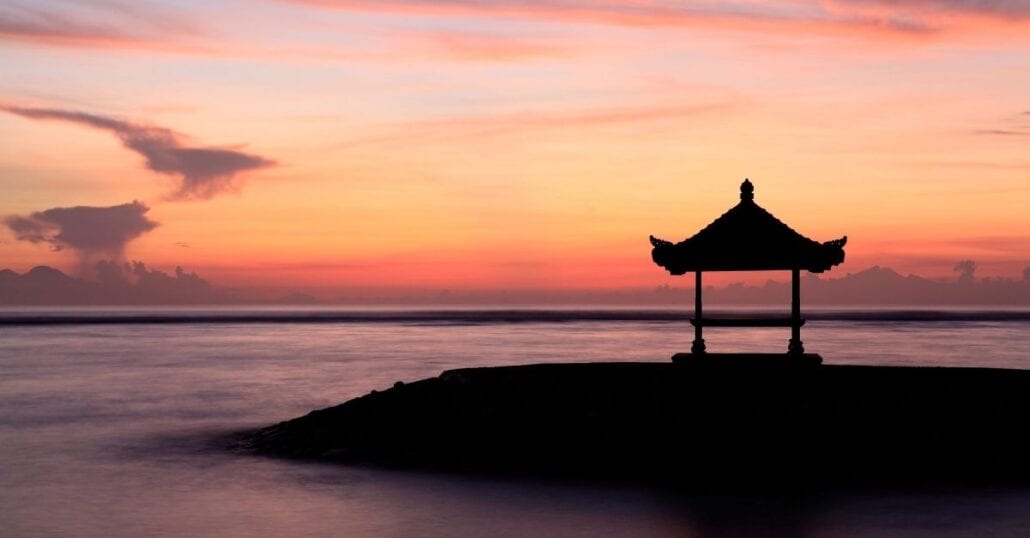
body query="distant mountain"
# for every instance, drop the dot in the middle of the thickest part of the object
(134, 284)
(45, 285)
(118, 284)
(883, 286)
(879, 285)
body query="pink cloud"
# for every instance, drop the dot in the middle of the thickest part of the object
(907, 19)
(481, 46)
(101, 24)
(544, 121)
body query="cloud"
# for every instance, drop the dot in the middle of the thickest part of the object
(1014, 245)
(992, 8)
(473, 46)
(92, 232)
(1016, 125)
(203, 172)
(1002, 132)
(628, 11)
(544, 121)
(94, 23)
(616, 12)
(863, 18)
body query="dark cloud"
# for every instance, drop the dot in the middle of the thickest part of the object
(138, 284)
(202, 172)
(965, 269)
(29, 229)
(92, 232)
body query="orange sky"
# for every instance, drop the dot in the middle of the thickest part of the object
(511, 145)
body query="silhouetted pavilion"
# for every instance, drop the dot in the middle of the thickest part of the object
(748, 238)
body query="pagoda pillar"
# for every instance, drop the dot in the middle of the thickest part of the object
(795, 346)
(699, 342)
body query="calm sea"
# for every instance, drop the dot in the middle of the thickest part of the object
(109, 421)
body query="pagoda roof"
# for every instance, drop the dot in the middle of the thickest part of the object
(747, 238)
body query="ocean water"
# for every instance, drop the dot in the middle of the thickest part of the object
(111, 422)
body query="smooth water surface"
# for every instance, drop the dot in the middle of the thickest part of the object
(113, 430)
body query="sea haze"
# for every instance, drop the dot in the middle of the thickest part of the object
(112, 422)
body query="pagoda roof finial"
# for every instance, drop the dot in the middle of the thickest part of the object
(747, 190)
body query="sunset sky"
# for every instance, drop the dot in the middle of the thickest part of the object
(497, 144)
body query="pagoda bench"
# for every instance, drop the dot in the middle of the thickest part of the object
(746, 322)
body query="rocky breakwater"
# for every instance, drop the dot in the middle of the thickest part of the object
(681, 422)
